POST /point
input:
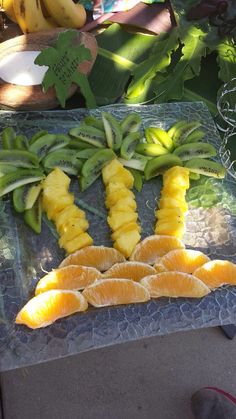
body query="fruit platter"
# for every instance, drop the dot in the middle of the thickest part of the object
(137, 240)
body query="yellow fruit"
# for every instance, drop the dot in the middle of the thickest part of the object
(57, 178)
(114, 187)
(115, 291)
(123, 176)
(69, 235)
(99, 257)
(178, 194)
(175, 284)
(46, 308)
(159, 267)
(217, 273)
(125, 204)
(30, 17)
(176, 177)
(7, 7)
(126, 242)
(169, 214)
(154, 247)
(72, 224)
(183, 260)
(125, 229)
(66, 14)
(170, 228)
(73, 277)
(110, 170)
(173, 203)
(57, 204)
(83, 240)
(70, 212)
(119, 218)
(116, 196)
(130, 270)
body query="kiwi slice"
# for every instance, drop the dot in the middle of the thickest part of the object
(66, 160)
(174, 128)
(158, 136)
(129, 144)
(5, 169)
(181, 134)
(80, 145)
(19, 178)
(37, 135)
(25, 197)
(151, 149)
(113, 131)
(195, 136)
(131, 123)
(90, 135)
(20, 142)
(159, 165)
(194, 176)
(19, 158)
(137, 162)
(86, 154)
(194, 150)
(33, 217)
(93, 166)
(206, 167)
(138, 179)
(94, 122)
(8, 136)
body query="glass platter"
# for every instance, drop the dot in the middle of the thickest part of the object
(24, 256)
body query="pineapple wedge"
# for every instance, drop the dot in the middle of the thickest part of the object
(114, 187)
(171, 228)
(169, 213)
(73, 223)
(119, 218)
(57, 205)
(70, 212)
(110, 170)
(58, 179)
(125, 229)
(114, 197)
(70, 234)
(83, 240)
(173, 203)
(123, 176)
(125, 204)
(127, 242)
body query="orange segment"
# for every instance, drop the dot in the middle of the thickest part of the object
(46, 308)
(174, 284)
(159, 267)
(114, 291)
(153, 247)
(72, 277)
(217, 273)
(129, 270)
(99, 257)
(183, 260)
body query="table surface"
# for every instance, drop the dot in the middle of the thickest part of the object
(24, 256)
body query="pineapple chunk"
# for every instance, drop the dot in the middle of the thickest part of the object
(125, 229)
(127, 242)
(119, 218)
(114, 197)
(123, 176)
(71, 211)
(83, 240)
(172, 228)
(176, 177)
(73, 223)
(57, 205)
(110, 170)
(169, 213)
(125, 204)
(69, 234)
(173, 203)
(57, 178)
(175, 193)
(114, 187)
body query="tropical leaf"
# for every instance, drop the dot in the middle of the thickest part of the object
(226, 60)
(158, 61)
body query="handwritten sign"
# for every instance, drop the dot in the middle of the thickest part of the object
(62, 62)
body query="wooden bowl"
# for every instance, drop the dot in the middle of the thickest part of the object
(18, 97)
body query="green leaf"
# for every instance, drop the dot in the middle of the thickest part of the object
(189, 65)
(63, 69)
(226, 60)
(158, 61)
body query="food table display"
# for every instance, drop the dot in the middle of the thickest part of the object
(121, 176)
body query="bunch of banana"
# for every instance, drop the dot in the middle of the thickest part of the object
(41, 15)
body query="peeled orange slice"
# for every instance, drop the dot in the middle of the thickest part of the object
(183, 260)
(72, 277)
(129, 270)
(217, 273)
(174, 284)
(99, 257)
(115, 291)
(46, 308)
(159, 267)
(153, 247)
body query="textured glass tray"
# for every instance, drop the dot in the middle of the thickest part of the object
(24, 256)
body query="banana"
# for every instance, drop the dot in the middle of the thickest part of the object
(66, 13)
(30, 17)
(7, 7)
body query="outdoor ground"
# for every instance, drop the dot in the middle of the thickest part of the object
(147, 379)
